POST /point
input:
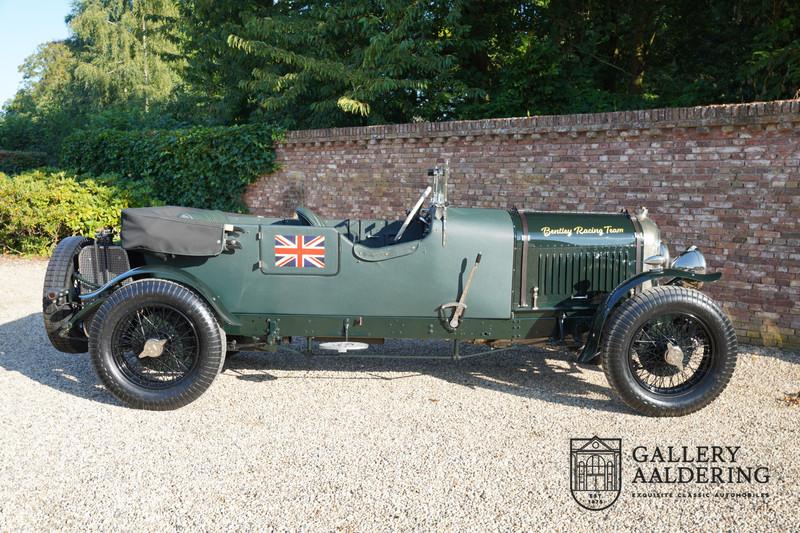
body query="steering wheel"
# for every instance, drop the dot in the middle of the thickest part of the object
(308, 217)
(412, 213)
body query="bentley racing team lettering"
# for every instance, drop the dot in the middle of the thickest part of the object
(547, 231)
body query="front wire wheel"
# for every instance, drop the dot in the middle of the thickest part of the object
(156, 345)
(669, 351)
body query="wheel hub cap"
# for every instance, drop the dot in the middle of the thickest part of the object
(153, 348)
(674, 355)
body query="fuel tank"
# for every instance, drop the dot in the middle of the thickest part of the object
(571, 260)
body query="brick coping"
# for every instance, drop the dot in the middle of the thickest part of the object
(646, 119)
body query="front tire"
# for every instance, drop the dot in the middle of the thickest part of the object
(669, 351)
(156, 345)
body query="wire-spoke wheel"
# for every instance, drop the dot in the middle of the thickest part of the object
(669, 351)
(156, 345)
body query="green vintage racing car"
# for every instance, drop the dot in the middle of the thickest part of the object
(159, 309)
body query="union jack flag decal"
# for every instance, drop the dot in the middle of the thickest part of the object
(300, 251)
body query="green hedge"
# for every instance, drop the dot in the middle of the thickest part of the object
(12, 161)
(39, 208)
(206, 167)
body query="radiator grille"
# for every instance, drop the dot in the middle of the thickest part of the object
(94, 269)
(570, 273)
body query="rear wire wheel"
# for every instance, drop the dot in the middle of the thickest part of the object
(167, 334)
(156, 345)
(669, 351)
(58, 279)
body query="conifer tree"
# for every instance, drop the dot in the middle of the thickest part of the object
(351, 62)
(125, 50)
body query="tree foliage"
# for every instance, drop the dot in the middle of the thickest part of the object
(317, 63)
(322, 63)
(207, 167)
(39, 208)
(122, 59)
(134, 64)
(43, 109)
(128, 50)
(214, 70)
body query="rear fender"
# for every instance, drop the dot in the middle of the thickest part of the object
(168, 273)
(590, 349)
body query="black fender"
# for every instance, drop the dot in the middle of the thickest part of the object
(590, 349)
(169, 273)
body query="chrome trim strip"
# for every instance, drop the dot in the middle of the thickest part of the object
(523, 270)
(639, 234)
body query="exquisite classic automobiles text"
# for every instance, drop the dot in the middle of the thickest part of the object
(547, 231)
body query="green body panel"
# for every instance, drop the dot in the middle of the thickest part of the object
(531, 326)
(541, 275)
(572, 258)
(416, 276)
(167, 272)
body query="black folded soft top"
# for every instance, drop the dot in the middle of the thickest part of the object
(174, 230)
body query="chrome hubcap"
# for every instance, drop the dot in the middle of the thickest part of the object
(673, 355)
(153, 348)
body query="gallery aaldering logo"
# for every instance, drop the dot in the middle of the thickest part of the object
(662, 471)
(596, 472)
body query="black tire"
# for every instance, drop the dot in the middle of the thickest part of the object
(181, 376)
(637, 365)
(58, 278)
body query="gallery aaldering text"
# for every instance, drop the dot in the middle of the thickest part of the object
(695, 464)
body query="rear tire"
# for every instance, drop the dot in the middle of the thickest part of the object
(173, 325)
(58, 278)
(669, 351)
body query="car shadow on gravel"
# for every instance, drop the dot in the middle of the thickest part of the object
(25, 349)
(543, 374)
(548, 374)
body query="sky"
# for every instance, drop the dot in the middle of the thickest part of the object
(24, 25)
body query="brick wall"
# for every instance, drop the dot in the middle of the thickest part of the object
(725, 178)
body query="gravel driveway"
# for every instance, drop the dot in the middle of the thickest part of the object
(284, 442)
